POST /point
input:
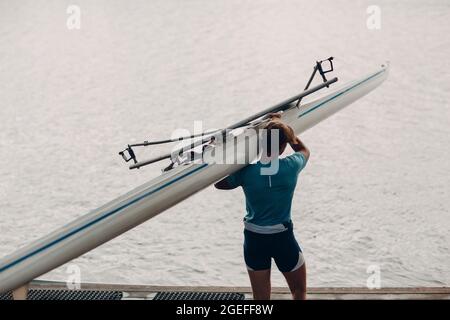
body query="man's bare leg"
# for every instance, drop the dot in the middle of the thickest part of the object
(260, 281)
(297, 282)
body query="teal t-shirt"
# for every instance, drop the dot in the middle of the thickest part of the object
(269, 197)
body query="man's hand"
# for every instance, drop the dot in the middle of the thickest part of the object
(223, 185)
(276, 123)
(295, 142)
(274, 116)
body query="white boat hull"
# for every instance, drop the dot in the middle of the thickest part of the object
(157, 195)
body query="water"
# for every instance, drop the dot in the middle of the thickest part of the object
(375, 192)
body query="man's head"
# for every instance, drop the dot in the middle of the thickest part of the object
(276, 129)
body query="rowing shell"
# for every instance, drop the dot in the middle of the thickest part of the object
(161, 193)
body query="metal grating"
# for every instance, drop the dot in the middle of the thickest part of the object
(183, 295)
(41, 294)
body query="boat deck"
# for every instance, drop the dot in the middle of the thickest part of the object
(148, 292)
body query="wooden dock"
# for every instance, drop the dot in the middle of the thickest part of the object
(147, 292)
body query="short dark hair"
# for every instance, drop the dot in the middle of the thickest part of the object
(282, 139)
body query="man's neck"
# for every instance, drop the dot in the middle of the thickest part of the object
(266, 159)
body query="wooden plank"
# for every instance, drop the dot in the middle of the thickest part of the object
(147, 291)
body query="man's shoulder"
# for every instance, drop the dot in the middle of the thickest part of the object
(296, 160)
(296, 156)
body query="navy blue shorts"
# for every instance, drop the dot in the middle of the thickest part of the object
(259, 249)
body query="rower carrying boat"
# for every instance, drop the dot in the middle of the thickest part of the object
(175, 184)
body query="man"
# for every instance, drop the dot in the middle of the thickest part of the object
(268, 231)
